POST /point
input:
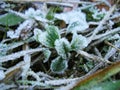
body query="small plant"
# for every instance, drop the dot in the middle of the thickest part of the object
(51, 39)
(51, 45)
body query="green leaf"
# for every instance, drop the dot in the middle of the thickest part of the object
(97, 77)
(111, 85)
(78, 42)
(41, 37)
(47, 54)
(59, 65)
(52, 35)
(10, 19)
(63, 47)
(48, 37)
(50, 14)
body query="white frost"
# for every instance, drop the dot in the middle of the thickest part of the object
(78, 42)
(62, 46)
(35, 14)
(2, 74)
(71, 18)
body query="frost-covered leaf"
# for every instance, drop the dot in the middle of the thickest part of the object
(42, 38)
(37, 32)
(35, 14)
(47, 54)
(59, 65)
(52, 35)
(50, 14)
(78, 42)
(48, 37)
(76, 20)
(63, 47)
(77, 26)
(10, 19)
(97, 14)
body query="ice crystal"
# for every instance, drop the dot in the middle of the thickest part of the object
(35, 14)
(2, 74)
(23, 30)
(63, 47)
(97, 14)
(76, 20)
(59, 65)
(78, 42)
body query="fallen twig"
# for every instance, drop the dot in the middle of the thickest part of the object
(106, 17)
(116, 30)
(112, 45)
(19, 54)
(93, 57)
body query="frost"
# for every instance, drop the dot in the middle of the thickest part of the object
(3, 49)
(12, 34)
(59, 65)
(63, 47)
(37, 32)
(47, 54)
(47, 37)
(25, 68)
(97, 14)
(35, 14)
(31, 13)
(52, 35)
(23, 30)
(116, 36)
(2, 74)
(72, 16)
(78, 42)
(78, 25)
(76, 20)
(42, 38)
(110, 24)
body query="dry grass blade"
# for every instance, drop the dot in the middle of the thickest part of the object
(106, 17)
(93, 57)
(19, 54)
(98, 76)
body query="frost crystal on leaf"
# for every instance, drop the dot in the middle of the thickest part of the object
(35, 14)
(48, 37)
(59, 65)
(75, 19)
(63, 47)
(77, 26)
(37, 33)
(47, 54)
(97, 14)
(2, 74)
(52, 35)
(42, 38)
(78, 42)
